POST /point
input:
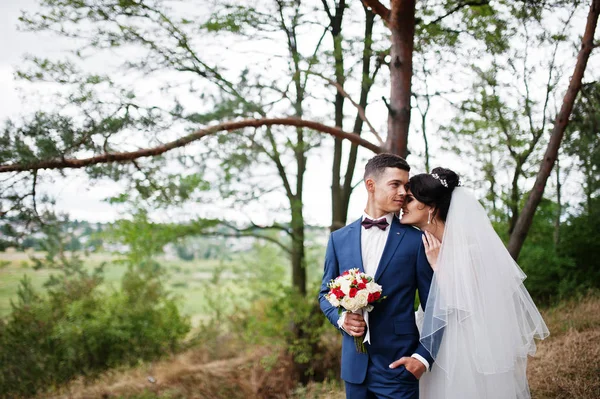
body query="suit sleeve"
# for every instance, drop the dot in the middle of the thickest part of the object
(424, 277)
(331, 271)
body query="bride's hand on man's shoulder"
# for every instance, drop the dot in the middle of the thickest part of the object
(432, 248)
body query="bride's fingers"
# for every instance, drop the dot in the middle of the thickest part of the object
(430, 242)
(425, 242)
(433, 242)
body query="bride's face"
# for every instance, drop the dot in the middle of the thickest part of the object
(414, 212)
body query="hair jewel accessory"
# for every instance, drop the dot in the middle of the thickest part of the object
(442, 181)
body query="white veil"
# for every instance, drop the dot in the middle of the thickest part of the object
(489, 321)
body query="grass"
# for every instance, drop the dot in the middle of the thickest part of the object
(567, 365)
(187, 280)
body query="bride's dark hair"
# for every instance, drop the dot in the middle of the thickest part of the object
(435, 189)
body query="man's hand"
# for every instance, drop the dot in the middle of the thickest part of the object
(414, 366)
(354, 324)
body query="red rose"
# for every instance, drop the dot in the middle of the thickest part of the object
(354, 282)
(365, 280)
(339, 294)
(361, 286)
(347, 272)
(353, 292)
(374, 297)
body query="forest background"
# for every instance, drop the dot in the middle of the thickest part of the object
(166, 195)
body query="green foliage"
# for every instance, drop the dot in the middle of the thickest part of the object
(582, 139)
(235, 19)
(579, 241)
(564, 270)
(184, 253)
(253, 303)
(286, 319)
(78, 327)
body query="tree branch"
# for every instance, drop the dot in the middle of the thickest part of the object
(517, 238)
(378, 9)
(254, 235)
(361, 111)
(328, 11)
(459, 7)
(276, 158)
(74, 163)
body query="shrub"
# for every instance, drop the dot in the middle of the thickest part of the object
(80, 329)
(579, 241)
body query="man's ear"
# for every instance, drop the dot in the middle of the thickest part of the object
(370, 184)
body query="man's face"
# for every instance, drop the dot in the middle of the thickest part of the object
(389, 189)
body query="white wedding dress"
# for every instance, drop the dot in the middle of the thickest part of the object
(489, 321)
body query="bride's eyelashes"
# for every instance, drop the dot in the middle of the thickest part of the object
(409, 198)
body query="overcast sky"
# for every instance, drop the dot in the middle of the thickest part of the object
(84, 201)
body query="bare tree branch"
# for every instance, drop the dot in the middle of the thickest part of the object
(517, 238)
(459, 7)
(327, 10)
(378, 9)
(74, 163)
(254, 235)
(361, 111)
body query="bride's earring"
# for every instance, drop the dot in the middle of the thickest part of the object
(429, 218)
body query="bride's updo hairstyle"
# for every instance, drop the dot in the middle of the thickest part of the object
(435, 189)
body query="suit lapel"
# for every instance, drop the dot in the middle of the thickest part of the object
(394, 237)
(355, 247)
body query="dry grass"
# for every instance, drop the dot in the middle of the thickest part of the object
(183, 377)
(567, 365)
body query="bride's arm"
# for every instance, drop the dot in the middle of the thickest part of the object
(424, 277)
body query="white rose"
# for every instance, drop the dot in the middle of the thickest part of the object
(345, 286)
(362, 298)
(350, 304)
(333, 300)
(373, 287)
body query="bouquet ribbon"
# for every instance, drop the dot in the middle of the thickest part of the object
(365, 314)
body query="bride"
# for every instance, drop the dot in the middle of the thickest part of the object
(477, 296)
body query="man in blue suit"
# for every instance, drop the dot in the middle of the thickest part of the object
(394, 255)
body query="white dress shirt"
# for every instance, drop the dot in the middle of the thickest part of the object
(372, 244)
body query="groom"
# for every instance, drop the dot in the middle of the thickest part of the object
(394, 255)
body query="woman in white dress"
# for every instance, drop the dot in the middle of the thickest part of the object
(477, 297)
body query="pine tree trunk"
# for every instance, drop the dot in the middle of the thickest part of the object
(517, 238)
(402, 26)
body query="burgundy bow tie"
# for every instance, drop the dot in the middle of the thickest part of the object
(381, 223)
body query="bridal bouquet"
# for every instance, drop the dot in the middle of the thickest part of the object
(354, 291)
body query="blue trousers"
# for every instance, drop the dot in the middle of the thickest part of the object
(385, 384)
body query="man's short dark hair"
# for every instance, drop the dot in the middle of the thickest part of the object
(377, 165)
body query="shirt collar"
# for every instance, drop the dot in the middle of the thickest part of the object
(389, 217)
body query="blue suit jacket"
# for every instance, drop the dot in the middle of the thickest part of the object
(402, 270)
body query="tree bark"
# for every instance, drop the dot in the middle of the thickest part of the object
(341, 191)
(559, 204)
(338, 56)
(515, 196)
(298, 252)
(74, 163)
(402, 26)
(366, 84)
(378, 9)
(517, 238)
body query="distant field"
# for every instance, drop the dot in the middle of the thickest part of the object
(187, 280)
